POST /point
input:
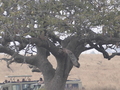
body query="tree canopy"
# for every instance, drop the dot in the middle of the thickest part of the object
(63, 28)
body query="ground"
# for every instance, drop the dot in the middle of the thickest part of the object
(95, 72)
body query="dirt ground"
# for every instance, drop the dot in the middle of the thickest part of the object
(95, 72)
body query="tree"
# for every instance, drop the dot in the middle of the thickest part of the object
(35, 27)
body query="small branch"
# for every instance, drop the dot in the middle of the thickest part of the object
(8, 61)
(54, 37)
(114, 54)
(34, 68)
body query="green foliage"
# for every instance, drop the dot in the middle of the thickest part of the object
(21, 16)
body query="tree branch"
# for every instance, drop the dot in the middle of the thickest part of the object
(34, 68)
(72, 57)
(114, 54)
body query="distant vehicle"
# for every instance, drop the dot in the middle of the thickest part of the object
(73, 85)
(34, 85)
(20, 85)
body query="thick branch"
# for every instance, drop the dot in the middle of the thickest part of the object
(100, 49)
(42, 41)
(72, 57)
(6, 50)
(17, 57)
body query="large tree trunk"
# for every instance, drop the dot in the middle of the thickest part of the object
(54, 79)
(57, 83)
(60, 76)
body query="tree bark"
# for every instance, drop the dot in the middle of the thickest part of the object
(54, 79)
(57, 83)
(66, 57)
